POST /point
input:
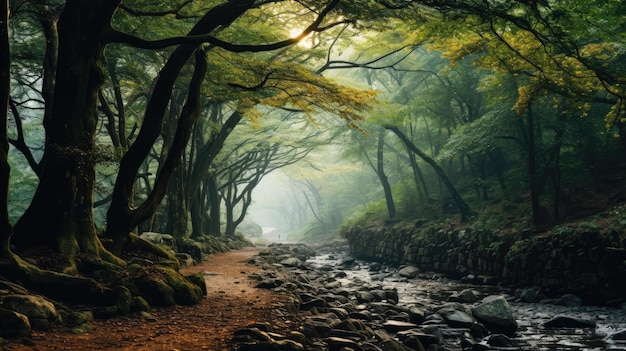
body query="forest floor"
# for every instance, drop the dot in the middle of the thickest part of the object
(232, 302)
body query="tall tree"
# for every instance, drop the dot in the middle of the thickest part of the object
(5, 79)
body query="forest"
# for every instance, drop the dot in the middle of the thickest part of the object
(210, 119)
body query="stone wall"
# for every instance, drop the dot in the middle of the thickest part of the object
(586, 263)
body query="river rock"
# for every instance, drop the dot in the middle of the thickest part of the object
(336, 344)
(500, 340)
(409, 272)
(465, 296)
(562, 321)
(569, 300)
(457, 319)
(251, 335)
(365, 297)
(619, 336)
(279, 345)
(495, 313)
(396, 326)
(291, 261)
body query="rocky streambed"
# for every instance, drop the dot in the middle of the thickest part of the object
(345, 304)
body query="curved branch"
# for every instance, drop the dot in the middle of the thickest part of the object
(115, 36)
(155, 13)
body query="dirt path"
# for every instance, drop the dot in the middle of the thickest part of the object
(232, 302)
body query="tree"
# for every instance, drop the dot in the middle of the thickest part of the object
(5, 79)
(60, 217)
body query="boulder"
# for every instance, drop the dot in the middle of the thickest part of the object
(13, 324)
(457, 319)
(291, 261)
(495, 313)
(465, 296)
(40, 312)
(562, 321)
(409, 272)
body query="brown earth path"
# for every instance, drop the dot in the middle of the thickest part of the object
(231, 303)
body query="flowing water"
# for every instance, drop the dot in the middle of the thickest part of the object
(432, 290)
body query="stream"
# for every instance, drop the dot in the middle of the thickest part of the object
(430, 290)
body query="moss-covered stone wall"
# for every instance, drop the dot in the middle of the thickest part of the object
(587, 263)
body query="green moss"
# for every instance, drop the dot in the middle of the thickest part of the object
(185, 292)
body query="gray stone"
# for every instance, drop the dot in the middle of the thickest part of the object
(562, 321)
(495, 313)
(396, 326)
(335, 343)
(619, 336)
(365, 297)
(465, 296)
(251, 335)
(291, 261)
(530, 295)
(500, 340)
(458, 319)
(569, 300)
(409, 272)
(280, 345)
(416, 315)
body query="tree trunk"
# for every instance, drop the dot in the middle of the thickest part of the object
(380, 171)
(121, 219)
(215, 204)
(465, 210)
(532, 170)
(60, 215)
(5, 65)
(418, 176)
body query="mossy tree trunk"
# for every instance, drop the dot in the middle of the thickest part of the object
(61, 213)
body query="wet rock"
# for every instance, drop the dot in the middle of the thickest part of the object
(388, 343)
(495, 313)
(416, 315)
(250, 335)
(316, 327)
(291, 261)
(407, 337)
(347, 261)
(465, 296)
(365, 297)
(619, 336)
(530, 295)
(375, 266)
(337, 344)
(434, 318)
(279, 345)
(409, 272)
(569, 300)
(562, 321)
(396, 326)
(500, 340)
(457, 319)
(310, 301)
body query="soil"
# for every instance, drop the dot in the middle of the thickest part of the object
(232, 302)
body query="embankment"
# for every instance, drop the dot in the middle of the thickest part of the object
(583, 260)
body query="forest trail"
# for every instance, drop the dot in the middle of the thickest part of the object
(231, 303)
